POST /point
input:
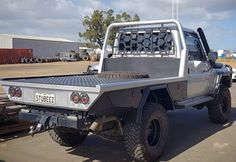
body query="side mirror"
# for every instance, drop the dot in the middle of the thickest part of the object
(212, 56)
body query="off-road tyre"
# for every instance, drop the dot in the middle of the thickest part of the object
(67, 136)
(220, 109)
(85, 57)
(137, 136)
(122, 75)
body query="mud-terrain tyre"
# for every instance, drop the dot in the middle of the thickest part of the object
(146, 141)
(122, 75)
(85, 57)
(67, 136)
(219, 111)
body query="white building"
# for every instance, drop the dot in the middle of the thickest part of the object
(43, 47)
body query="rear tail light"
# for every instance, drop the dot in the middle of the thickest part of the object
(84, 98)
(75, 97)
(15, 92)
(79, 98)
(12, 91)
(18, 92)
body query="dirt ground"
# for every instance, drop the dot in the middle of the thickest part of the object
(43, 69)
(57, 68)
(193, 138)
(228, 61)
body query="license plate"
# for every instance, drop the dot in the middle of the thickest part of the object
(45, 98)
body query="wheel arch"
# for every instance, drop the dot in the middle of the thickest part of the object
(226, 78)
(157, 94)
(226, 81)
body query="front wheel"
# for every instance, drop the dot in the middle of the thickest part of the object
(146, 141)
(219, 111)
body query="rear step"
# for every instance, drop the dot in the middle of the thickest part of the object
(194, 101)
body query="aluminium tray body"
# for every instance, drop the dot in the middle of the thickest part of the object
(73, 80)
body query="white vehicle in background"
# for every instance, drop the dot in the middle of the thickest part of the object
(234, 75)
(93, 68)
(68, 56)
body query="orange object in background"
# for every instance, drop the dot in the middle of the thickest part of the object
(13, 56)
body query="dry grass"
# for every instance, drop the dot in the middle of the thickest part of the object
(57, 68)
(228, 61)
(43, 69)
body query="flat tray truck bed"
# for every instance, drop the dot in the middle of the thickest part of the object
(76, 80)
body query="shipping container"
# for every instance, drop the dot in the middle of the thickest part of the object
(13, 56)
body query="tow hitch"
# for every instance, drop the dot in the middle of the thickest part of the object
(43, 123)
(34, 130)
(48, 120)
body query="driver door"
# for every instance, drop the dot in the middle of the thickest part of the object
(199, 68)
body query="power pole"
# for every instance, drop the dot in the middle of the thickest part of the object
(172, 9)
(175, 9)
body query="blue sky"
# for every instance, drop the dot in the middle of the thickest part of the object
(63, 18)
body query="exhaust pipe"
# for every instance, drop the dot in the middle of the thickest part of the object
(97, 125)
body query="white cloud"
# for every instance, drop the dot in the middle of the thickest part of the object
(201, 9)
(195, 24)
(209, 5)
(149, 9)
(205, 15)
(63, 18)
(192, 14)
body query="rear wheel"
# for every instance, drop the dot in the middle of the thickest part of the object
(146, 141)
(219, 111)
(67, 136)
